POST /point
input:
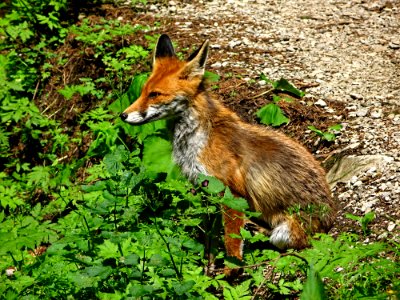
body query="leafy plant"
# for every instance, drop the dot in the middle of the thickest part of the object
(329, 135)
(364, 221)
(271, 114)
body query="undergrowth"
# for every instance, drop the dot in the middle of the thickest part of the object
(94, 208)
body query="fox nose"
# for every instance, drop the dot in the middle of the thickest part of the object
(123, 116)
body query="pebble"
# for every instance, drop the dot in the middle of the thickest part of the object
(377, 114)
(362, 112)
(321, 103)
(391, 226)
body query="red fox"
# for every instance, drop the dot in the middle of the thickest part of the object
(278, 177)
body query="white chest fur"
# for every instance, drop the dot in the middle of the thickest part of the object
(189, 140)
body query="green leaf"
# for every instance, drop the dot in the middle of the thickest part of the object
(313, 287)
(101, 271)
(316, 130)
(336, 127)
(329, 136)
(120, 104)
(135, 89)
(183, 287)
(271, 114)
(157, 155)
(211, 77)
(157, 260)
(113, 161)
(236, 203)
(210, 184)
(284, 85)
(108, 250)
(137, 291)
(132, 260)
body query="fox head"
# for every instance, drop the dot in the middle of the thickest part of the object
(171, 86)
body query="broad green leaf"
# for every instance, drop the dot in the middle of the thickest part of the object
(113, 161)
(132, 260)
(120, 104)
(211, 77)
(183, 287)
(137, 291)
(329, 136)
(210, 184)
(97, 186)
(285, 86)
(271, 114)
(236, 203)
(101, 271)
(157, 260)
(135, 89)
(157, 155)
(108, 250)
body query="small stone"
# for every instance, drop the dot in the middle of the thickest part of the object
(394, 45)
(358, 183)
(353, 179)
(391, 226)
(234, 43)
(368, 136)
(383, 236)
(356, 96)
(321, 103)
(377, 114)
(262, 82)
(366, 207)
(362, 112)
(215, 46)
(216, 65)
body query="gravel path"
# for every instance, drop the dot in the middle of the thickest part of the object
(347, 51)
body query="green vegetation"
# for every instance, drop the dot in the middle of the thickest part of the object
(91, 207)
(329, 135)
(272, 114)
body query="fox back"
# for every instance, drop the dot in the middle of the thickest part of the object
(277, 176)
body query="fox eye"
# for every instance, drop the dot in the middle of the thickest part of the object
(154, 94)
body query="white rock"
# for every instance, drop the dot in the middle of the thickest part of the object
(362, 112)
(391, 226)
(321, 103)
(216, 65)
(377, 114)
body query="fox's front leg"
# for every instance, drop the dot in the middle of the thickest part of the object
(233, 221)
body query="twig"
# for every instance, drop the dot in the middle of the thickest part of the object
(36, 89)
(263, 93)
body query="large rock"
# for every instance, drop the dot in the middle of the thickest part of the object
(350, 167)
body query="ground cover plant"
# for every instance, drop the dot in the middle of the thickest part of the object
(94, 208)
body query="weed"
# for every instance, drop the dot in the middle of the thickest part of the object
(271, 114)
(329, 135)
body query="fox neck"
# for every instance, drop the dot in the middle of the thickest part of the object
(191, 134)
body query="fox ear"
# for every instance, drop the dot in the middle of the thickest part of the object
(164, 48)
(197, 61)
